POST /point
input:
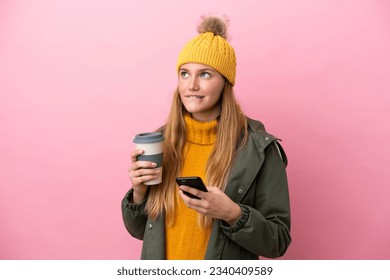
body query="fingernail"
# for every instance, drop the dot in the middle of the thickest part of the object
(154, 164)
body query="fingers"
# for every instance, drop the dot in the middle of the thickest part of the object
(190, 202)
(135, 165)
(141, 171)
(144, 174)
(193, 191)
(142, 165)
(214, 203)
(135, 154)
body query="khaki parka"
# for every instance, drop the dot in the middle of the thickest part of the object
(258, 183)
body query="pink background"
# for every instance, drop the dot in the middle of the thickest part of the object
(79, 78)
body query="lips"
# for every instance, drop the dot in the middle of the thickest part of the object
(195, 96)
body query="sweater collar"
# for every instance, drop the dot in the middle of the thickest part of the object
(203, 133)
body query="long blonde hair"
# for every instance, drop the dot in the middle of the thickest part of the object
(231, 135)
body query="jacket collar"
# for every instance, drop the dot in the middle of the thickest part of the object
(248, 161)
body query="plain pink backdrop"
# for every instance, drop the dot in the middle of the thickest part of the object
(79, 78)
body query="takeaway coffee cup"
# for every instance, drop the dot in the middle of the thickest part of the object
(152, 144)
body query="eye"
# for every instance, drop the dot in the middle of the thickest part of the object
(184, 74)
(205, 75)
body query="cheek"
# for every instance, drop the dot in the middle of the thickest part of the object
(217, 91)
(181, 95)
(181, 86)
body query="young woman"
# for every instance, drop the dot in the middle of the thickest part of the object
(246, 212)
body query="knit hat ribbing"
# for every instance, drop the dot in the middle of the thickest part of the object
(211, 48)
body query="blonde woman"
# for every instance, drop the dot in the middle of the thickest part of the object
(246, 212)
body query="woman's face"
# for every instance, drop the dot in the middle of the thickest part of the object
(200, 88)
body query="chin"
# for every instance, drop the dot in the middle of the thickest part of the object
(192, 110)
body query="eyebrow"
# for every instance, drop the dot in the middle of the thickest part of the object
(199, 70)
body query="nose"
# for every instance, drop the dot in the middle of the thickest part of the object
(193, 85)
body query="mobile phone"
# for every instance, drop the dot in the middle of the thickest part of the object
(193, 182)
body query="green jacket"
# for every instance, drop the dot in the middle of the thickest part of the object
(258, 183)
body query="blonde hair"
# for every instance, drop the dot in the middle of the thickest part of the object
(231, 135)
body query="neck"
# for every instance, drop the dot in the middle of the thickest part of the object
(208, 115)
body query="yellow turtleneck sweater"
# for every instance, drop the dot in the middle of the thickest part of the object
(185, 239)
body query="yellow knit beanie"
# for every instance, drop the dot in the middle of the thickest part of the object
(211, 48)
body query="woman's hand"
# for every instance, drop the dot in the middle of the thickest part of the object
(139, 173)
(214, 203)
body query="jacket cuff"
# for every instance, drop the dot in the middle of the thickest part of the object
(135, 207)
(240, 223)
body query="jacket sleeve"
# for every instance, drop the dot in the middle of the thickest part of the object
(264, 225)
(134, 216)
